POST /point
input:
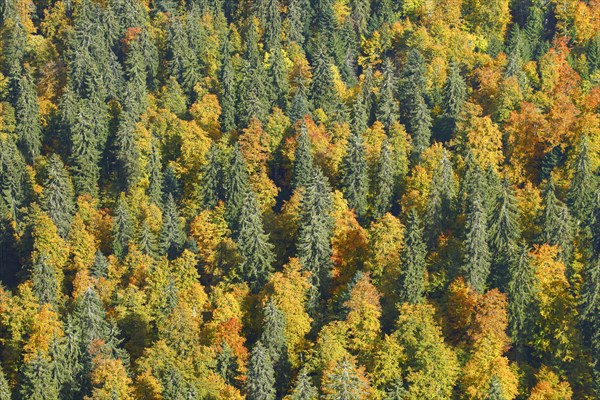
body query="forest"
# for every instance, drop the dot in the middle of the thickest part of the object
(300, 199)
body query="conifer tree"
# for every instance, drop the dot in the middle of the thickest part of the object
(582, 192)
(147, 239)
(237, 187)
(253, 245)
(176, 386)
(228, 90)
(155, 176)
(303, 159)
(27, 114)
(44, 281)
(273, 336)
(172, 237)
(299, 105)
(123, 229)
(314, 237)
(272, 25)
(58, 196)
(360, 14)
(279, 78)
(322, 89)
(100, 267)
(557, 229)
(304, 388)
(37, 382)
(171, 184)
(384, 182)
(127, 152)
(297, 16)
(504, 233)
(412, 280)
(420, 124)
(440, 205)
(261, 376)
(12, 168)
(355, 175)
(495, 390)
(227, 365)
(455, 95)
(387, 105)
(477, 256)
(521, 296)
(4, 387)
(344, 382)
(211, 190)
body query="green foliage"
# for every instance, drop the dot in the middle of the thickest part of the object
(58, 196)
(476, 255)
(172, 236)
(384, 182)
(412, 280)
(38, 382)
(304, 388)
(355, 176)
(27, 114)
(261, 376)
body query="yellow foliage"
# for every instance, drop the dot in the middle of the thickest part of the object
(550, 387)
(45, 327)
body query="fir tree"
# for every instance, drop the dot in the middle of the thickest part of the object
(581, 194)
(127, 152)
(420, 124)
(322, 89)
(355, 176)
(176, 386)
(304, 388)
(171, 184)
(253, 245)
(37, 382)
(272, 25)
(495, 390)
(228, 90)
(211, 189)
(387, 105)
(147, 239)
(27, 114)
(412, 280)
(100, 267)
(299, 106)
(477, 256)
(4, 387)
(123, 229)
(297, 16)
(155, 176)
(557, 229)
(344, 382)
(12, 168)
(227, 365)
(44, 281)
(261, 376)
(314, 237)
(521, 295)
(504, 233)
(273, 336)
(279, 78)
(454, 95)
(58, 196)
(172, 237)
(303, 159)
(237, 187)
(440, 206)
(384, 182)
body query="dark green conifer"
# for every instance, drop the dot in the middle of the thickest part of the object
(454, 95)
(27, 115)
(58, 195)
(521, 297)
(477, 255)
(412, 280)
(172, 237)
(4, 387)
(37, 382)
(253, 245)
(304, 388)
(228, 90)
(440, 206)
(279, 78)
(582, 192)
(147, 239)
(355, 179)
(273, 336)
(384, 181)
(297, 16)
(344, 382)
(127, 152)
(495, 390)
(123, 229)
(155, 175)
(211, 189)
(261, 376)
(557, 227)
(322, 89)
(100, 267)
(303, 159)
(272, 25)
(227, 365)
(299, 105)
(43, 279)
(237, 187)
(387, 105)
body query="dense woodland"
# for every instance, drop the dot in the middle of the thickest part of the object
(300, 199)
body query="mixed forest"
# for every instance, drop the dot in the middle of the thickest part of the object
(299, 199)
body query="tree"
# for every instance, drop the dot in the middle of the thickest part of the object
(146, 239)
(172, 237)
(557, 229)
(4, 388)
(273, 335)
(261, 376)
(211, 189)
(495, 391)
(314, 237)
(272, 25)
(27, 114)
(155, 175)
(387, 105)
(123, 229)
(128, 153)
(582, 191)
(504, 233)
(454, 95)
(304, 388)
(441, 203)
(37, 381)
(237, 188)
(476, 256)
(385, 181)
(345, 381)
(521, 296)
(355, 175)
(45, 282)
(58, 196)
(303, 159)
(297, 16)
(228, 90)
(100, 267)
(279, 78)
(412, 280)
(253, 245)
(323, 92)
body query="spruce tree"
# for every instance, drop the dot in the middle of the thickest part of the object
(384, 180)
(454, 95)
(355, 175)
(303, 159)
(275, 342)
(176, 386)
(211, 189)
(344, 382)
(123, 229)
(322, 89)
(521, 298)
(37, 382)
(4, 387)
(272, 25)
(228, 90)
(172, 236)
(420, 124)
(477, 255)
(504, 233)
(155, 175)
(27, 115)
(557, 227)
(387, 105)
(279, 78)
(495, 390)
(253, 245)
(146, 239)
(261, 376)
(440, 205)
(314, 237)
(582, 192)
(100, 267)
(304, 388)
(58, 195)
(412, 280)
(297, 16)
(44, 281)
(127, 152)
(226, 364)
(299, 105)
(236, 189)
(12, 175)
